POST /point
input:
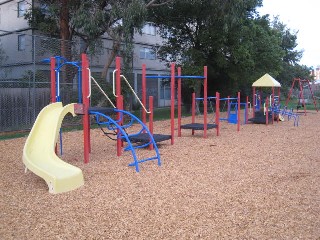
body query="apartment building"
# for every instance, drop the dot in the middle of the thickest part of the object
(23, 49)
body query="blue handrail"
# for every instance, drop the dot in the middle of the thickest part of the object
(112, 124)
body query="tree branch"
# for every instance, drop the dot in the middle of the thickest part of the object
(153, 3)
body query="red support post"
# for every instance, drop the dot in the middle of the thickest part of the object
(193, 110)
(301, 96)
(86, 103)
(205, 102)
(238, 122)
(218, 113)
(144, 93)
(119, 100)
(151, 118)
(179, 102)
(290, 91)
(119, 141)
(172, 101)
(53, 79)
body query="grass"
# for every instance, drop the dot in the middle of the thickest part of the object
(15, 134)
(293, 103)
(163, 113)
(159, 114)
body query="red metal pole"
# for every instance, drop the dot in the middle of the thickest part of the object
(119, 141)
(238, 123)
(205, 102)
(119, 100)
(290, 91)
(144, 93)
(193, 111)
(179, 102)
(118, 80)
(53, 79)
(302, 96)
(218, 113)
(151, 118)
(86, 104)
(172, 101)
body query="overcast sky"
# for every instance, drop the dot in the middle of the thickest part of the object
(303, 16)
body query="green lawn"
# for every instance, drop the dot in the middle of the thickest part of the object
(159, 114)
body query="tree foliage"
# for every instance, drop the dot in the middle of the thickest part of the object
(90, 20)
(230, 37)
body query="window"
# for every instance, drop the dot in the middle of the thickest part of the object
(149, 29)
(21, 8)
(21, 42)
(147, 53)
(165, 92)
(44, 8)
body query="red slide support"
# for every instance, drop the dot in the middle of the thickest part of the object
(86, 103)
(172, 101)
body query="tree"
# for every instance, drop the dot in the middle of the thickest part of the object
(90, 20)
(209, 32)
(258, 52)
(290, 67)
(237, 44)
(3, 59)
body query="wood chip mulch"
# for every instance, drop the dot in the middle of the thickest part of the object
(260, 183)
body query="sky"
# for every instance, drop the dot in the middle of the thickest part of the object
(301, 16)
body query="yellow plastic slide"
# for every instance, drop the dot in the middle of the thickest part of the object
(39, 151)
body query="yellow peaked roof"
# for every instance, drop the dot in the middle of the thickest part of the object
(266, 81)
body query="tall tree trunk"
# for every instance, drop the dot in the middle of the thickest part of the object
(115, 49)
(67, 72)
(65, 33)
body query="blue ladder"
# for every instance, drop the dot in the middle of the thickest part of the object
(111, 124)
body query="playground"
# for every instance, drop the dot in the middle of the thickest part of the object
(261, 182)
(217, 177)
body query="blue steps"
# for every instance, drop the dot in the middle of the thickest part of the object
(103, 118)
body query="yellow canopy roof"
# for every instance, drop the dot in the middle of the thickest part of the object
(266, 81)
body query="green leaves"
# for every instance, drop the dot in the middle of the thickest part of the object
(229, 36)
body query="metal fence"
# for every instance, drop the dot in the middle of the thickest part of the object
(25, 77)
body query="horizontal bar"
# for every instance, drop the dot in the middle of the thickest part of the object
(207, 98)
(196, 77)
(228, 98)
(141, 161)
